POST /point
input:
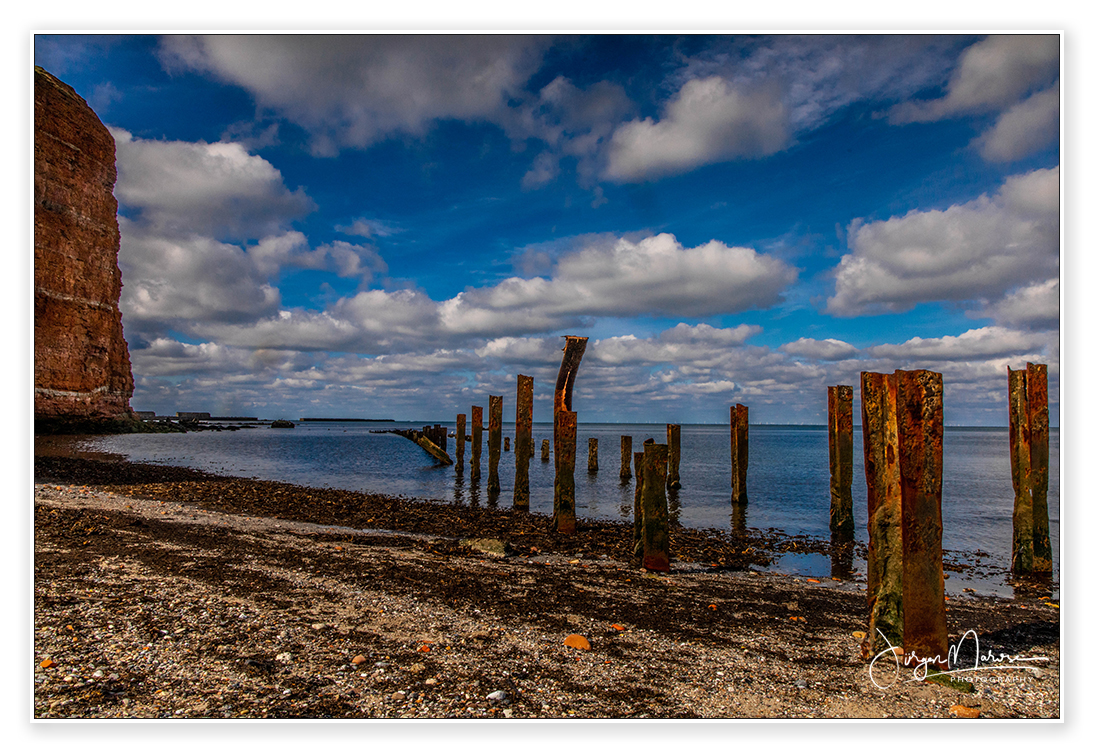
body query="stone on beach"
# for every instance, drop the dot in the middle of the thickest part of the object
(577, 641)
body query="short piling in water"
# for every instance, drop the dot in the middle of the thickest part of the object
(565, 516)
(545, 450)
(738, 451)
(672, 477)
(476, 443)
(461, 429)
(919, 439)
(841, 518)
(523, 441)
(506, 448)
(624, 458)
(1031, 548)
(885, 554)
(594, 462)
(493, 482)
(638, 458)
(655, 510)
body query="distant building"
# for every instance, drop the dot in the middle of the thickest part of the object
(145, 415)
(192, 416)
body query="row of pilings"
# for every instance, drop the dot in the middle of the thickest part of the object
(902, 430)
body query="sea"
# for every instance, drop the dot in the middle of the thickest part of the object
(788, 480)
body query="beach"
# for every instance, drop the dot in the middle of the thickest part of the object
(169, 593)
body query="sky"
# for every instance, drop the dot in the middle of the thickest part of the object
(397, 225)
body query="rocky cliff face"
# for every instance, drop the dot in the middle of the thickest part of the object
(81, 361)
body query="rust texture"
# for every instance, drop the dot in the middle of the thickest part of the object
(567, 375)
(1022, 537)
(565, 460)
(672, 476)
(624, 457)
(81, 360)
(594, 461)
(738, 452)
(461, 428)
(638, 457)
(476, 443)
(523, 449)
(919, 440)
(1037, 407)
(493, 482)
(885, 554)
(655, 510)
(841, 518)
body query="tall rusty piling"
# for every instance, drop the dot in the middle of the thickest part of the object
(919, 439)
(565, 517)
(655, 512)
(1031, 548)
(738, 451)
(493, 483)
(594, 461)
(672, 474)
(567, 375)
(638, 459)
(885, 555)
(461, 429)
(476, 443)
(841, 519)
(441, 435)
(545, 450)
(523, 441)
(624, 458)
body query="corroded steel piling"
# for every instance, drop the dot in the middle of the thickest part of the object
(624, 458)
(567, 374)
(672, 475)
(545, 450)
(476, 443)
(919, 439)
(638, 458)
(523, 441)
(1037, 405)
(655, 510)
(461, 428)
(565, 460)
(1021, 562)
(594, 462)
(885, 555)
(493, 483)
(841, 519)
(738, 452)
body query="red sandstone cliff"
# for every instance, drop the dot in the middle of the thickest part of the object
(81, 360)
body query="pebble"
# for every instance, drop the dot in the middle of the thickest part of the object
(497, 696)
(577, 641)
(964, 712)
(359, 659)
(398, 695)
(318, 625)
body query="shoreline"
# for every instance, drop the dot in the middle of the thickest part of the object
(168, 593)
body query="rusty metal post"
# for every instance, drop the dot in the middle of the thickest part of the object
(1021, 561)
(567, 374)
(594, 461)
(624, 458)
(476, 443)
(1037, 407)
(461, 427)
(672, 475)
(885, 555)
(441, 435)
(506, 448)
(655, 508)
(523, 441)
(545, 450)
(493, 483)
(738, 451)
(565, 518)
(638, 459)
(919, 438)
(841, 518)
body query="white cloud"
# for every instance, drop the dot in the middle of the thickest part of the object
(1023, 129)
(217, 190)
(1035, 306)
(355, 90)
(980, 249)
(828, 349)
(973, 345)
(709, 120)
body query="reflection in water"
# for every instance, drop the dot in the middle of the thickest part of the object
(1034, 585)
(674, 506)
(492, 497)
(842, 553)
(738, 520)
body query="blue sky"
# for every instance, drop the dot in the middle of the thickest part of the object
(397, 225)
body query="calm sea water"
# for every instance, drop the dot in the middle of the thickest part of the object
(788, 478)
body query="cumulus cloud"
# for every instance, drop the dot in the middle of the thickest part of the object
(709, 120)
(980, 249)
(828, 349)
(1035, 306)
(355, 90)
(218, 190)
(975, 344)
(1023, 129)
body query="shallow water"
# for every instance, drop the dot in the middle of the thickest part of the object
(788, 479)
